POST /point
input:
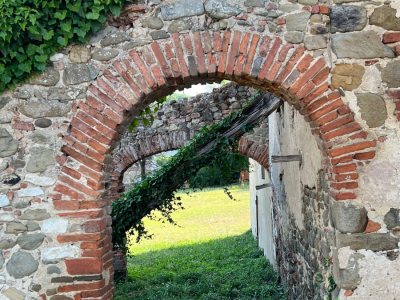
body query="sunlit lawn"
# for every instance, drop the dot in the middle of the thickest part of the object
(211, 255)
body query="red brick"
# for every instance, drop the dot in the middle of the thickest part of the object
(105, 87)
(270, 58)
(225, 41)
(94, 226)
(98, 116)
(96, 293)
(83, 266)
(78, 186)
(280, 21)
(53, 196)
(289, 65)
(187, 42)
(207, 46)
(128, 79)
(23, 126)
(321, 76)
(264, 47)
(112, 79)
(371, 227)
(92, 245)
(199, 53)
(315, 9)
(324, 9)
(345, 185)
(234, 49)
(274, 70)
(326, 109)
(73, 238)
(244, 44)
(143, 69)
(217, 41)
(221, 64)
(95, 204)
(251, 53)
(71, 172)
(309, 74)
(352, 148)
(359, 135)
(346, 177)
(303, 65)
(394, 94)
(161, 61)
(341, 160)
(105, 99)
(396, 50)
(334, 95)
(284, 51)
(305, 90)
(337, 123)
(97, 186)
(81, 286)
(181, 59)
(239, 65)
(364, 155)
(317, 104)
(66, 204)
(342, 131)
(327, 118)
(78, 124)
(81, 158)
(97, 147)
(391, 37)
(68, 192)
(113, 116)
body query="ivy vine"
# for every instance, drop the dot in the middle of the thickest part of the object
(157, 192)
(32, 30)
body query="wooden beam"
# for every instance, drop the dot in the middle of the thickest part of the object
(263, 186)
(286, 158)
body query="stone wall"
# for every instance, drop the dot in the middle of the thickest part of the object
(334, 62)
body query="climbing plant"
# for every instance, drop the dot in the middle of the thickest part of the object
(32, 30)
(157, 192)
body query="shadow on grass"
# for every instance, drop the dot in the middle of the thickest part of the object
(228, 268)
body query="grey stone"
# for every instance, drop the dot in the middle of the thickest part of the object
(159, 34)
(180, 25)
(318, 29)
(48, 77)
(308, 2)
(21, 94)
(115, 38)
(218, 9)
(7, 244)
(18, 163)
(53, 270)
(15, 228)
(273, 28)
(30, 192)
(261, 29)
(348, 218)
(244, 23)
(315, 42)
(372, 108)
(4, 101)
(42, 123)
(102, 33)
(60, 297)
(392, 219)
(79, 54)
(345, 18)
(41, 157)
(51, 292)
(349, 277)
(21, 204)
(370, 241)
(254, 3)
(391, 74)
(297, 21)
(153, 23)
(43, 109)
(33, 226)
(288, 7)
(30, 241)
(104, 54)
(180, 9)
(385, 17)
(62, 279)
(6, 217)
(136, 43)
(4, 201)
(21, 264)
(35, 214)
(93, 71)
(39, 138)
(343, 1)
(363, 45)
(315, 18)
(14, 294)
(50, 262)
(66, 93)
(294, 37)
(75, 73)
(2, 260)
(8, 145)
(35, 287)
(347, 76)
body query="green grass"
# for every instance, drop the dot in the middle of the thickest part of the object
(211, 255)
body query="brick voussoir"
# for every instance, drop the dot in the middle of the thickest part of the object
(339, 151)
(308, 75)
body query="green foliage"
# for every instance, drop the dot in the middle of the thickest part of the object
(228, 268)
(32, 30)
(158, 191)
(161, 159)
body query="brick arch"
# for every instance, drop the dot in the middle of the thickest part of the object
(133, 81)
